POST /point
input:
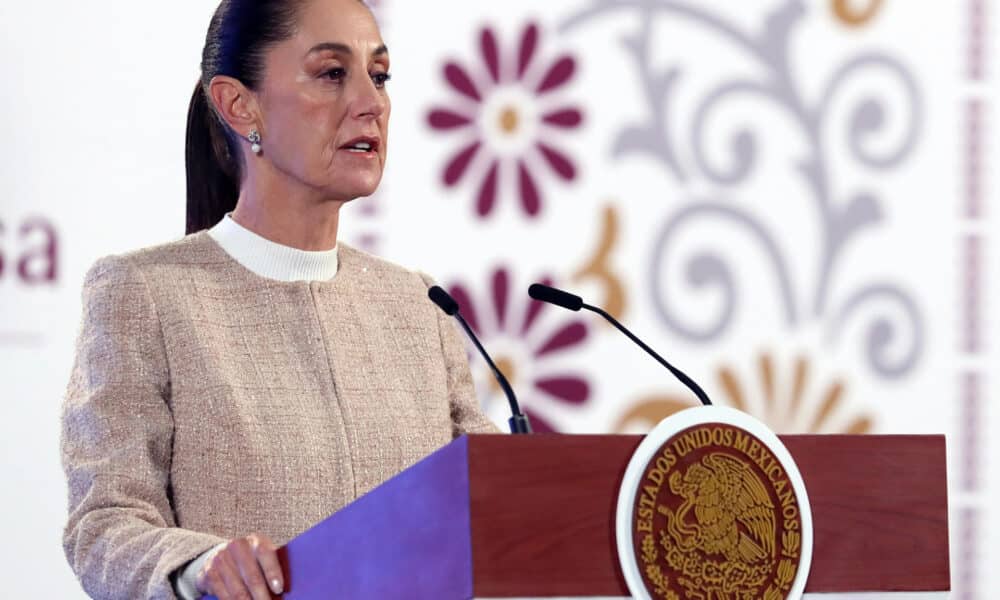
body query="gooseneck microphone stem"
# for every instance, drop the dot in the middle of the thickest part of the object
(551, 295)
(690, 383)
(519, 422)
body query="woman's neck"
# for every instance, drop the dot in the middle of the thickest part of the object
(288, 215)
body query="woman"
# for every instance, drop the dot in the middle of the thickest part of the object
(235, 387)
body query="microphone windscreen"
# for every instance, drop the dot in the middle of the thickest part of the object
(544, 293)
(443, 299)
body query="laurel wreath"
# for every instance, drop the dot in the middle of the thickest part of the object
(699, 573)
(791, 540)
(654, 572)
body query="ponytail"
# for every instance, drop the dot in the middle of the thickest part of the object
(212, 168)
(238, 35)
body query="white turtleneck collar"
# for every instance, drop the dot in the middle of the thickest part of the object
(270, 259)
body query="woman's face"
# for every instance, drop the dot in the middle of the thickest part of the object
(323, 102)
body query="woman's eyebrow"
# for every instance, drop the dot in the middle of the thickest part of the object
(344, 48)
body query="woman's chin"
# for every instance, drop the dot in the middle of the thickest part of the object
(357, 187)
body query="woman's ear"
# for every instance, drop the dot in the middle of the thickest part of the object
(235, 103)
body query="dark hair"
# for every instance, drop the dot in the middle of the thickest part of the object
(238, 37)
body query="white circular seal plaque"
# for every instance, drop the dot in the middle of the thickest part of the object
(713, 506)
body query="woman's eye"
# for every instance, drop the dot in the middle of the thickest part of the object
(381, 79)
(335, 74)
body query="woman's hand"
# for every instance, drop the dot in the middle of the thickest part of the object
(246, 568)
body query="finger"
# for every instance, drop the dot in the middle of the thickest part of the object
(267, 556)
(250, 571)
(212, 584)
(209, 581)
(235, 588)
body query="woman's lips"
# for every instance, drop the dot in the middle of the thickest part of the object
(360, 154)
(363, 143)
(362, 150)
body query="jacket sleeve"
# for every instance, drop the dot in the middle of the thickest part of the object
(466, 414)
(121, 538)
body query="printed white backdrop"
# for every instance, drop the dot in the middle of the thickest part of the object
(791, 200)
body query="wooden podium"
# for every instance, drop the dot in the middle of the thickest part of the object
(499, 516)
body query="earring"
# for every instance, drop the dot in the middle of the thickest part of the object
(254, 139)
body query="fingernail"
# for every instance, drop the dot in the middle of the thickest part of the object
(276, 586)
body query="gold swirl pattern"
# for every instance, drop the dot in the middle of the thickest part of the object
(599, 268)
(784, 413)
(848, 13)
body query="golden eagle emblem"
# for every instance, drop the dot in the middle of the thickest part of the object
(723, 493)
(716, 518)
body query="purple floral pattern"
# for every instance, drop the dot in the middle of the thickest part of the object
(509, 114)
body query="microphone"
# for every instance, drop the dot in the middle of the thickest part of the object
(551, 295)
(519, 421)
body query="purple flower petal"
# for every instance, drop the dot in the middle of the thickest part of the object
(488, 46)
(530, 199)
(534, 309)
(446, 119)
(570, 335)
(461, 82)
(466, 306)
(567, 118)
(501, 293)
(558, 161)
(538, 424)
(460, 163)
(572, 390)
(488, 191)
(529, 41)
(558, 74)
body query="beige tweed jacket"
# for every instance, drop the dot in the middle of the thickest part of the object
(207, 402)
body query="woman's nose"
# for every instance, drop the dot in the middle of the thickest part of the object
(368, 100)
